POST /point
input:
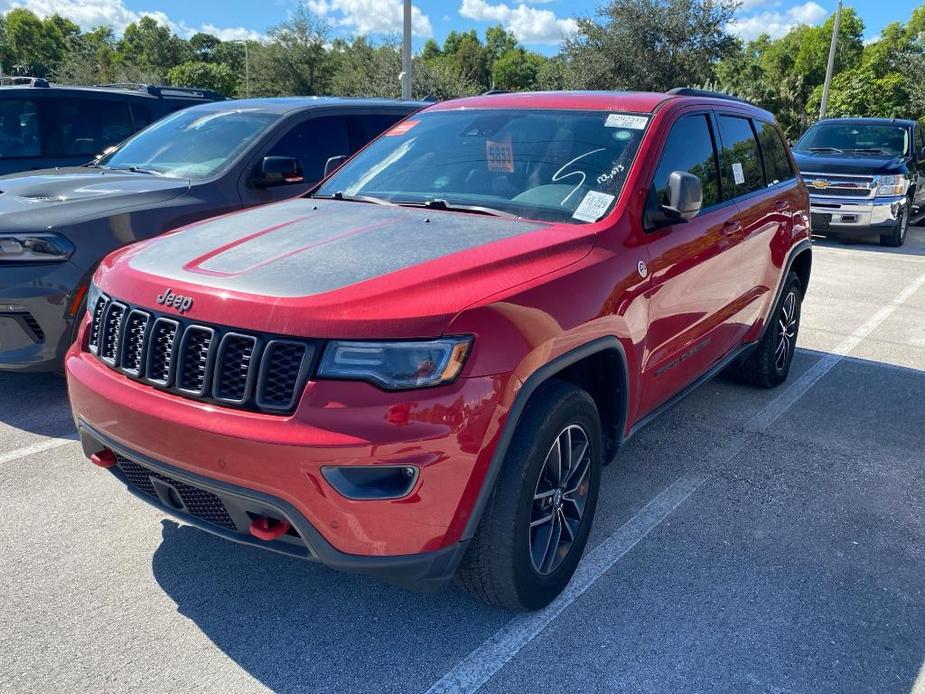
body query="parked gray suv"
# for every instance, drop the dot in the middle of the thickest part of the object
(56, 225)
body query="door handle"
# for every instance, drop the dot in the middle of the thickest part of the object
(781, 206)
(731, 228)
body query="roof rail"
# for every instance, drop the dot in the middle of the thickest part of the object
(689, 91)
(22, 81)
(491, 92)
(155, 90)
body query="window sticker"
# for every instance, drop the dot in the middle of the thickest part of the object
(593, 206)
(621, 120)
(737, 174)
(500, 155)
(402, 128)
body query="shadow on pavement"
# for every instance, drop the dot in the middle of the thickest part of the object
(35, 403)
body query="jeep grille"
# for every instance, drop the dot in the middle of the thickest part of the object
(256, 372)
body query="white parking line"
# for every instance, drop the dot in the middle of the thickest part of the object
(481, 664)
(45, 445)
(770, 413)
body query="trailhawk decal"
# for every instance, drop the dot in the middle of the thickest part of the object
(308, 246)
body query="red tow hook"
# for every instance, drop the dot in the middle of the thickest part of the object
(268, 529)
(104, 458)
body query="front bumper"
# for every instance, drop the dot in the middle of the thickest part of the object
(35, 314)
(254, 461)
(841, 215)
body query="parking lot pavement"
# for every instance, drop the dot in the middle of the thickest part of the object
(749, 540)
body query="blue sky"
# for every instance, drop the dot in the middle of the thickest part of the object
(539, 24)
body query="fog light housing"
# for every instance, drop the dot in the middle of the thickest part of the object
(372, 482)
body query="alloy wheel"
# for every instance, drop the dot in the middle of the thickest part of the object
(786, 330)
(559, 499)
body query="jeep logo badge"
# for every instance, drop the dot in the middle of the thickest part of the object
(171, 300)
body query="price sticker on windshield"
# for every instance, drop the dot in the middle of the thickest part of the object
(593, 206)
(402, 128)
(622, 120)
(500, 155)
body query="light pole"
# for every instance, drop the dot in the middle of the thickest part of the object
(247, 68)
(406, 52)
(830, 68)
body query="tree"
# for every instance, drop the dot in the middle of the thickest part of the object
(516, 69)
(650, 44)
(294, 61)
(204, 46)
(151, 48)
(90, 58)
(860, 93)
(35, 46)
(202, 75)
(498, 41)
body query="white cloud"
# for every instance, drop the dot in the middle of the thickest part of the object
(93, 13)
(777, 23)
(371, 16)
(529, 24)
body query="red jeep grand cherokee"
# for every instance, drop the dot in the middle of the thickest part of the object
(419, 370)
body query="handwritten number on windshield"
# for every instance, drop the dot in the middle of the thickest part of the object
(559, 176)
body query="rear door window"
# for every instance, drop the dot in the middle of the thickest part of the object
(19, 129)
(84, 127)
(313, 142)
(689, 148)
(742, 169)
(142, 116)
(776, 162)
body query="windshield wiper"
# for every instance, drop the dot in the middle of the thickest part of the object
(338, 195)
(440, 204)
(826, 149)
(134, 169)
(872, 150)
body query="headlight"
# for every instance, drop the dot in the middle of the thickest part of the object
(396, 365)
(891, 185)
(93, 295)
(39, 247)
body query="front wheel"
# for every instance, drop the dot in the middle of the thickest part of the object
(534, 529)
(769, 364)
(897, 235)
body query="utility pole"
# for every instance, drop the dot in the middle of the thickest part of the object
(831, 66)
(406, 52)
(247, 70)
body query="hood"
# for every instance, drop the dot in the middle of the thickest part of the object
(325, 268)
(847, 163)
(54, 197)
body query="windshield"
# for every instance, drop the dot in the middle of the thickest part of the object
(891, 140)
(551, 165)
(192, 144)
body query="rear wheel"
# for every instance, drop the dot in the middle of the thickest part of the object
(769, 363)
(534, 530)
(897, 235)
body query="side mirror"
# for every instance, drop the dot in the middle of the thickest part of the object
(333, 164)
(683, 199)
(278, 171)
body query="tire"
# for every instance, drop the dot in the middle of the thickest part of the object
(505, 565)
(897, 235)
(767, 366)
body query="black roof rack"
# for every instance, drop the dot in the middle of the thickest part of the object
(155, 90)
(490, 92)
(690, 91)
(22, 81)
